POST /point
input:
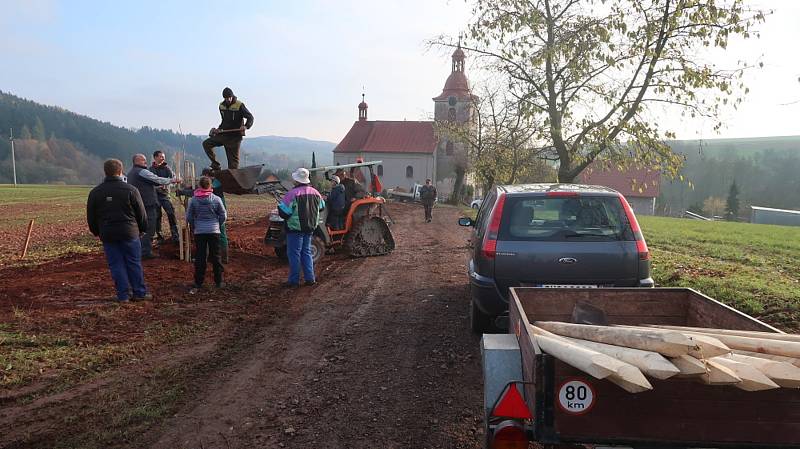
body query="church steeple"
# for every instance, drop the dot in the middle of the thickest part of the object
(458, 59)
(362, 109)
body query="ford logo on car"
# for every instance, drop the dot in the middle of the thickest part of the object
(567, 260)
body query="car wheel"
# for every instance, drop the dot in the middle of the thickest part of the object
(475, 206)
(479, 322)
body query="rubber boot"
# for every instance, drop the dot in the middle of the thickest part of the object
(224, 254)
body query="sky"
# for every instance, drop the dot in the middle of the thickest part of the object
(300, 66)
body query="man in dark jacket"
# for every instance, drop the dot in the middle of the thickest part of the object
(233, 113)
(116, 214)
(336, 204)
(161, 169)
(300, 208)
(146, 181)
(427, 194)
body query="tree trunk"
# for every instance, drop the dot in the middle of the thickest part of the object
(455, 196)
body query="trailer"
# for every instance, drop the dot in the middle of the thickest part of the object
(530, 396)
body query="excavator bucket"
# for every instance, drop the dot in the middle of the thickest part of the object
(239, 181)
(370, 236)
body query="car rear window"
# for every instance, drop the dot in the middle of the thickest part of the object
(592, 218)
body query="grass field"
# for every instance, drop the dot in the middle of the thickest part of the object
(60, 221)
(754, 268)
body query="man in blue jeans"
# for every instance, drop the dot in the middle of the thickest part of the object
(300, 209)
(115, 213)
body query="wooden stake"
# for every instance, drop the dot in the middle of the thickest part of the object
(689, 365)
(752, 378)
(718, 374)
(752, 334)
(780, 358)
(592, 362)
(27, 239)
(650, 363)
(707, 347)
(784, 374)
(669, 343)
(763, 345)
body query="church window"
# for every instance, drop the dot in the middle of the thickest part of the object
(451, 114)
(380, 170)
(409, 172)
(449, 148)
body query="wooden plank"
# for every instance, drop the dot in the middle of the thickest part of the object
(669, 343)
(630, 320)
(706, 312)
(677, 411)
(623, 301)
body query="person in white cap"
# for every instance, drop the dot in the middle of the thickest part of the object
(300, 208)
(337, 204)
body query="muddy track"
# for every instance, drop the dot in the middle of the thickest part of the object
(377, 354)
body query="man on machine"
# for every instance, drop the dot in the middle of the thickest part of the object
(230, 131)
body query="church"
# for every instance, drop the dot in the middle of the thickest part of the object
(411, 151)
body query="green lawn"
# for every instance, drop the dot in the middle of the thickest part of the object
(754, 268)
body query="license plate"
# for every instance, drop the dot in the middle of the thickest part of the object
(567, 286)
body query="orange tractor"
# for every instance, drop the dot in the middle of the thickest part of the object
(366, 222)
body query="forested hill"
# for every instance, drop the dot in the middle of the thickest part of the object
(765, 170)
(54, 145)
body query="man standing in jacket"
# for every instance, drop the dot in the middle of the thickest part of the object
(427, 194)
(161, 169)
(116, 214)
(146, 181)
(205, 214)
(300, 208)
(230, 131)
(336, 204)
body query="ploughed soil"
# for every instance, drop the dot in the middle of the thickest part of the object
(377, 354)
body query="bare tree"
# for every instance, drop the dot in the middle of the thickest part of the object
(499, 143)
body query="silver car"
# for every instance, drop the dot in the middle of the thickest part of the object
(551, 235)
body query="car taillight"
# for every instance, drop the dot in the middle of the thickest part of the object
(509, 435)
(489, 248)
(641, 245)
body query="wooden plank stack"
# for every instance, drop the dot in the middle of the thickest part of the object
(627, 355)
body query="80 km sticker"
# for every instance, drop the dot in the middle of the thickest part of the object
(576, 397)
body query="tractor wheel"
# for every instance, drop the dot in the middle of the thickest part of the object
(280, 251)
(317, 249)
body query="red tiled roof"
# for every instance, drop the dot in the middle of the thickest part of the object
(456, 85)
(627, 183)
(388, 137)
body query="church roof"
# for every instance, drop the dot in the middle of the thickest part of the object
(388, 137)
(627, 183)
(455, 86)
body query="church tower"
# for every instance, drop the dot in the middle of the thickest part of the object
(454, 104)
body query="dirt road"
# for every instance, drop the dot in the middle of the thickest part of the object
(377, 354)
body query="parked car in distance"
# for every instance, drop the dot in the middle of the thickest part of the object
(551, 235)
(476, 203)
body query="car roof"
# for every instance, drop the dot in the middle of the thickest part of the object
(557, 187)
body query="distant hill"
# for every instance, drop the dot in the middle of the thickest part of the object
(764, 168)
(735, 147)
(54, 145)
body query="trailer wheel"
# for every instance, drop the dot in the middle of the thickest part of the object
(479, 322)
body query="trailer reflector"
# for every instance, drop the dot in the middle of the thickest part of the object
(511, 405)
(509, 435)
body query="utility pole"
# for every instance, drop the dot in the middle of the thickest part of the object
(13, 160)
